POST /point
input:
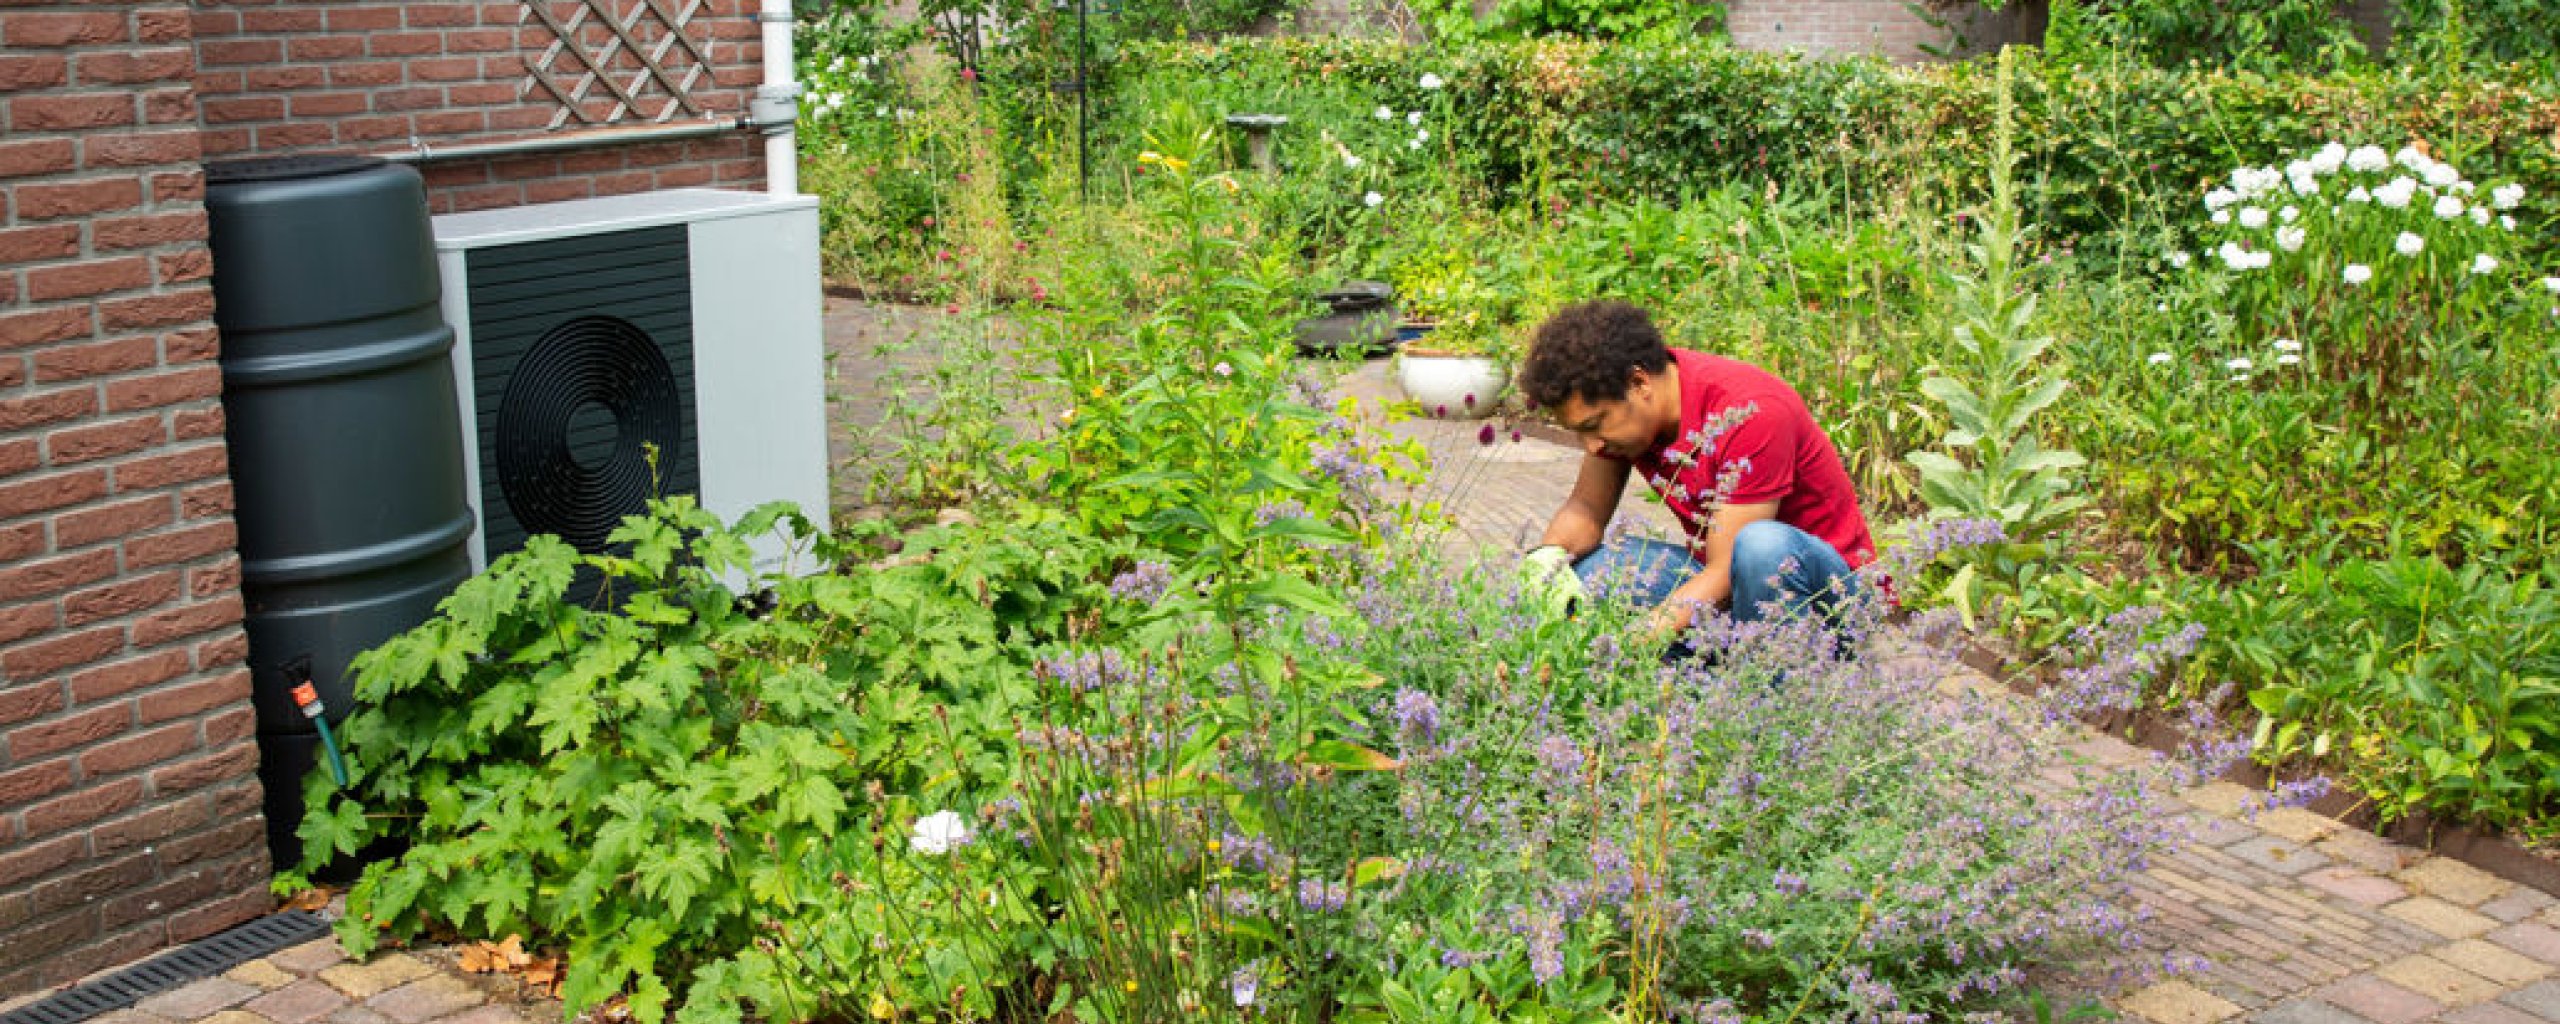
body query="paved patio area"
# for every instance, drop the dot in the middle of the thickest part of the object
(2299, 919)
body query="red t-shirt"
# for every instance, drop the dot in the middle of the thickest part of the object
(1747, 437)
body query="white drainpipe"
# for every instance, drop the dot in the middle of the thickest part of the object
(776, 107)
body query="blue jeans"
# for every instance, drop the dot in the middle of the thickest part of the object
(1773, 564)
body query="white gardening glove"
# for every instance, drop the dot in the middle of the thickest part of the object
(1548, 582)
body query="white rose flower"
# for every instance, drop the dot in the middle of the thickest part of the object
(1372, 199)
(2252, 217)
(2359, 195)
(2286, 345)
(2506, 197)
(2219, 198)
(1430, 81)
(2409, 244)
(2159, 359)
(2551, 284)
(1422, 135)
(1385, 114)
(2357, 273)
(1413, 117)
(2484, 264)
(2289, 214)
(2480, 215)
(2448, 207)
(2368, 159)
(2409, 157)
(1414, 144)
(2306, 186)
(2222, 216)
(2397, 194)
(2443, 176)
(2290, 239)
(2465, 188)
(2178, 259)
(2239, 364)
(939, 833)
(2233, 256)
(2329, 159)
(2506, 222)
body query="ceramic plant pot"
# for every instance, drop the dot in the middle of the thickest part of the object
(1444, 384)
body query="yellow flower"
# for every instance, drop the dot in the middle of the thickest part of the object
(1130, 985)
(1215, 846)
(1170, 163)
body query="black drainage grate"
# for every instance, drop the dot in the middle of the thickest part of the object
(202, 958)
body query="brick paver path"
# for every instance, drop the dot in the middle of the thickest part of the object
(2301, 920)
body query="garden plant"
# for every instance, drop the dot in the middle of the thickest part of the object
(1144, 691)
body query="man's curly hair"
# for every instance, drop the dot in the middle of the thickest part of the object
(1588, 350)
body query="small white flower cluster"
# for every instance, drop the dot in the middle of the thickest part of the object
(2415, 180)
(939, 833)
(1413, 118)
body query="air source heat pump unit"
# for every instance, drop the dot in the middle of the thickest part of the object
(591, 334)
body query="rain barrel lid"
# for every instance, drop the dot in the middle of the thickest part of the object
(286, 168)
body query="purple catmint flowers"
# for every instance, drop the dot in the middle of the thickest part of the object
(1417, 716)
(1558, 761)
(1322, 896)
(1084, 673)
(1145, 584)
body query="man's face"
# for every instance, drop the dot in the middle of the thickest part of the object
(1623, 428)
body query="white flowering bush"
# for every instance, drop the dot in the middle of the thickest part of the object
(2352, 262)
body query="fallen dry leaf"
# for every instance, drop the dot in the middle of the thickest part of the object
(543, 974)
(491, 957)
(308, 900)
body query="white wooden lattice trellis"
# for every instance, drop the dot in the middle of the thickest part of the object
(646, 61)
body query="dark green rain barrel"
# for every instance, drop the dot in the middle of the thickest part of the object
(345, 445)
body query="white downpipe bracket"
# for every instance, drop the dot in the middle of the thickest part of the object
(776, 107)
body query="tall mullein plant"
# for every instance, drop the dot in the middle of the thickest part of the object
(1990, 464)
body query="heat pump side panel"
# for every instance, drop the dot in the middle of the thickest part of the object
(456, 304)
(760, 365)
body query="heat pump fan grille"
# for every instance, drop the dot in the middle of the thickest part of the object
(582, 358)
(581, 421)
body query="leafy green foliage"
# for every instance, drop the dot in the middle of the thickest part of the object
(2257, 35)
(1994, 388)
(645, 783)
(2432, 686)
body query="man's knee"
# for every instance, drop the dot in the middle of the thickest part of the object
(1762, 549)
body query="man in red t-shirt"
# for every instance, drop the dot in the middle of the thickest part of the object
(1771, 518)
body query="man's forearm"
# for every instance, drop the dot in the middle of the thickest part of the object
(1709, 588)
(1573, 531)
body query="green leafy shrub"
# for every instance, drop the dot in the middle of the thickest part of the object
(646, 784)
(2429, 686)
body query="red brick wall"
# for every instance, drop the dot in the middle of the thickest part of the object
(287, 76)
(128, 805)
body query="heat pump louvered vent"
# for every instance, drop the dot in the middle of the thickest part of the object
(582, 355)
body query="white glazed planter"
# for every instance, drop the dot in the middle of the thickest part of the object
(1445, 382)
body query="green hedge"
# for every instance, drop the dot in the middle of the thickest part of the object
(2107, 145)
